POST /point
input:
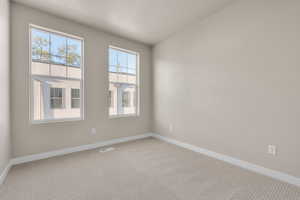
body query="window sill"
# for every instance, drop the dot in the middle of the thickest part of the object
(123, 116)
(55, 120)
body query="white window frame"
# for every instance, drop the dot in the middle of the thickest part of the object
(137, 93)
(82, 82)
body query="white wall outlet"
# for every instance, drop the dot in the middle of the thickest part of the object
(170, 128)
(272, 150)
(93, 131)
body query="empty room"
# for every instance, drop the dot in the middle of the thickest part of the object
(150, 100)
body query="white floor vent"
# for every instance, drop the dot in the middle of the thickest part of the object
(106, 149)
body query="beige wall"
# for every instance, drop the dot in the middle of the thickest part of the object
(4, 85)
(231, 83)
(30, 139)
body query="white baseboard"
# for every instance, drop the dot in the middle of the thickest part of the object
(4, 173)
(34, 157)
(240, 163)
(234, 161)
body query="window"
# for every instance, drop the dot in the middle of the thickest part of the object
(123, 82)
(56, 98)
(126, 99)
(75, 98)
(56, 73)
(110, 99)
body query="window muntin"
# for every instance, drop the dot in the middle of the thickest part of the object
(123, 82)
(75, 98)
(56, 62)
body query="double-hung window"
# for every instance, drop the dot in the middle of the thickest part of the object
(56, 98)
(75, 95)
(56, 74)
(126, 99)
(123, 73)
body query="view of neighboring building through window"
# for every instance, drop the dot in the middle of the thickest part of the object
(56, 98)
(56, 75)
(110, 100)
(75, 95)
(126, 99)
(123, 82)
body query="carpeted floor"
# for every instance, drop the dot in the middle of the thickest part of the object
(140, 170)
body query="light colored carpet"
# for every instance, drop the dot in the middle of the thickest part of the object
(141, 170)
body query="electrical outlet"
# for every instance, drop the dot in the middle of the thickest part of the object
(272, 150)
(93, 131)
(170, 128)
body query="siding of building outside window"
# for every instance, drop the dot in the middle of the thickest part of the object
(56, 62)
(123, 82)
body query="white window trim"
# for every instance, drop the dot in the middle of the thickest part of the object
(59, 120)
(137, 93)
(82, 82)
(122, 116)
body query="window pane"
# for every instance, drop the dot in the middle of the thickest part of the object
(122, 59)
(56, 98)
(75, 93)
(131, 71)
(40, 45)
(112, 57)
(126, 99)
(132, 61)
(56, 103)
(110, 100)
(113, 95)
(58, 49)
(56, 92)
(59, 92)
(112, 68)
(75, 103)
(52, 92)
(74, 52)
